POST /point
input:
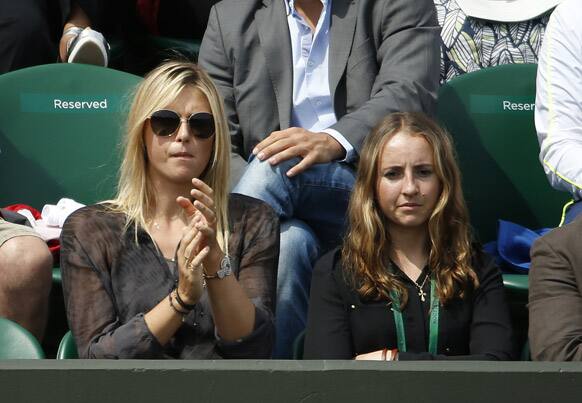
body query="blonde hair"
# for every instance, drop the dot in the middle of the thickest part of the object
(136, 196)
(366, 247)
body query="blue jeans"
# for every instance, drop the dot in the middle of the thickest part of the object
(312, 207)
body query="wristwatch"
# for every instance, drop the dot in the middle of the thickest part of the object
(225, 269)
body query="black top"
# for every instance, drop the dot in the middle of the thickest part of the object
(341, 325)
(110, 282)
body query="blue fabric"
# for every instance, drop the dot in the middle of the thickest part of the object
(573, 211)
(312, 207)
(511, 250)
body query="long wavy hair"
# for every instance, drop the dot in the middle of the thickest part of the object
(367, 245)
(136, 195)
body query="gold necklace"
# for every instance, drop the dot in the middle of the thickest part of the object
(421, 292)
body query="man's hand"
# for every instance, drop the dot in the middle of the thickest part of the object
(312, 148)
(373, 356)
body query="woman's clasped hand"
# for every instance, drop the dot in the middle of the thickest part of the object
(199, 253)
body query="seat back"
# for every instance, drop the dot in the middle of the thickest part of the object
(16, 342)
(60, 128)
(490, 116)
(67, 348)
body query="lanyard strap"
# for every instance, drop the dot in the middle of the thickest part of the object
(433, 321)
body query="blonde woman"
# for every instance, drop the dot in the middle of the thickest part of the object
(407, 283)
(173, 266)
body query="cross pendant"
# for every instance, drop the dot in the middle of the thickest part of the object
(422, 294)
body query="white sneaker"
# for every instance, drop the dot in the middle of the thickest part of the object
(89, 47)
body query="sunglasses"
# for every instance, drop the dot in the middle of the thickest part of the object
(165, 123)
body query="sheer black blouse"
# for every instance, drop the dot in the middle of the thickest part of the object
(341, 325)
(110, 282)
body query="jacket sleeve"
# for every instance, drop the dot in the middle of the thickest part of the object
(215, 61)
(408, 57)
(555, 306)
(258, 277)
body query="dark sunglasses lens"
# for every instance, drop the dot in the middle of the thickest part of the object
(164, 123)
(202, 125)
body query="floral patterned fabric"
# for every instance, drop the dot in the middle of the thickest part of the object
(470, 44)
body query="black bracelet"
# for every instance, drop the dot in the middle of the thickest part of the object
(181, 313)
(182, 303)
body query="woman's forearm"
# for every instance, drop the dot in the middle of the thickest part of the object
(232, 310)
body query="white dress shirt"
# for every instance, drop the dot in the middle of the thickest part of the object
(558, 110)
(312, 104)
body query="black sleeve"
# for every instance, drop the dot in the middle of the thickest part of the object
(328, 328)
(491, 332)
(91, 310)
(409, 66)
(215, 61)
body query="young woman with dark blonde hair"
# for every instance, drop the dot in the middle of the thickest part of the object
(173, 266)
(408, 283)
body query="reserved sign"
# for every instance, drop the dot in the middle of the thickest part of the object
(502, 104)
(62, 103)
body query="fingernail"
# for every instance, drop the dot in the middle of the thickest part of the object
(261, 156)
(255, 150)
(272, 161)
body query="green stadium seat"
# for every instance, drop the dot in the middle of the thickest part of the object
(60, 133)
(490, 115)
(298, 344)
(67, 348)
(525, 354)
(17, 343)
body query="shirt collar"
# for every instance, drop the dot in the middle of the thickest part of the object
(290, 5)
